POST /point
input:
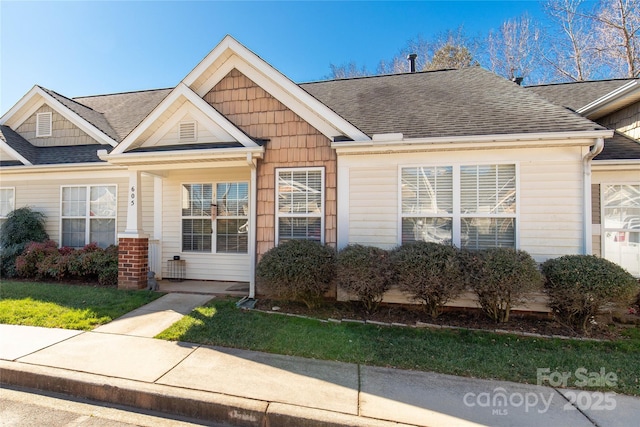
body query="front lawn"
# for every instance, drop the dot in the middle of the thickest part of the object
(66, 306)
(456, 352)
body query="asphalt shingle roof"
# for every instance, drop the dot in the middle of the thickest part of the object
(124, 111)
(465, 102)
(576, 95)
(18, 143)
(51, 155)
(620, 147)
(94, 117)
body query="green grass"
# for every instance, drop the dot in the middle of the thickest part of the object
(457, 352)
(66, 306)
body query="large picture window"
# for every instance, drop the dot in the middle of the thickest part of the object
(300, 204)
(220, 209)
(88, 215)
(472, 207)
(621, 225)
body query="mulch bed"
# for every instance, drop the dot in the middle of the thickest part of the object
(521, 323)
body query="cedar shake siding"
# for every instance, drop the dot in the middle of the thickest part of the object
(626, 121)
(63, 132)
(292, 142)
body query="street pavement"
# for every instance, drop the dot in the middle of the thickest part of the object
(122, 363)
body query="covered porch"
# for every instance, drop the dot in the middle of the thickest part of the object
(195, 210)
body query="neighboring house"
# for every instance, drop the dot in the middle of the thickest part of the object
(614, 104)
(237, 158)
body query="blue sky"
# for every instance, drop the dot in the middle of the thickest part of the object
(89, 47)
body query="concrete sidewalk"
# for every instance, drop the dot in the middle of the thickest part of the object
(121, 363)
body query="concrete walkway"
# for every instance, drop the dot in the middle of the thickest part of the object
(122, 363)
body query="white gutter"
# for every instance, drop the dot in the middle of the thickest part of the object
(586, 186)
(616, 95)
(253, 219)
(58, 168)
(398, 140)
(180, 155)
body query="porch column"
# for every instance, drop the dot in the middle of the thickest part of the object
(133, 244)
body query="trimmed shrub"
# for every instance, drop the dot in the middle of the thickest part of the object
(579, 285)
(31, 263)
(22, 226)
(45, 261)
(297, 270)
(501, 278)
(366, 272)
(429, 273)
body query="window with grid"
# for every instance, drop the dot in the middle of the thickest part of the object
(196, 217)
(427, 204)
(7, 203)
(88, 215)
(488, 206)
(300, 204)
(473, 207)
(621, 225)
(232, 219)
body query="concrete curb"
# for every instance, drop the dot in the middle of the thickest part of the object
(202, 405)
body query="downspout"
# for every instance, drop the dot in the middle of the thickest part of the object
(252, 224)
(586, 183)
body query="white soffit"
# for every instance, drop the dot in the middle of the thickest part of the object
(205, 114)
(188, 112)
(230, 54)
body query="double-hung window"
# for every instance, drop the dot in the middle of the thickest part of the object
(470, 206)
(197, 201)
(7, 202)
(300, 204)
(220, 209)
(232, 219)
(621, 225)
(88, 215)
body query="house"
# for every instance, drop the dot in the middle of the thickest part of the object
(237, 158)
(615, 180)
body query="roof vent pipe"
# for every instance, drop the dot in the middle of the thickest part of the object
(412, 59)
(517, 80)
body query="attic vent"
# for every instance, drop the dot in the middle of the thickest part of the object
(43, 124)
(187, 131)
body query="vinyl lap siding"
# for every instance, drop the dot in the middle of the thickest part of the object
(550, 196)
(373, 206)
(42, 193)
(199, 266)
(551, 208)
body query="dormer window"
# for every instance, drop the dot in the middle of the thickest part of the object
(187, 131)
(43, 124)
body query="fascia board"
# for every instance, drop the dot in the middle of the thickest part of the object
(13, 153)
(183, 155)
(61, 109)
(188, 109)
(616, 165)
(277, 84)
(57, 168)
(478, 141)
(182, 90)
(208, 60)
(19, 105)
(218, 118)
(631, 89)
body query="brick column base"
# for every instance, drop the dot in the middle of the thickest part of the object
(133, 262)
